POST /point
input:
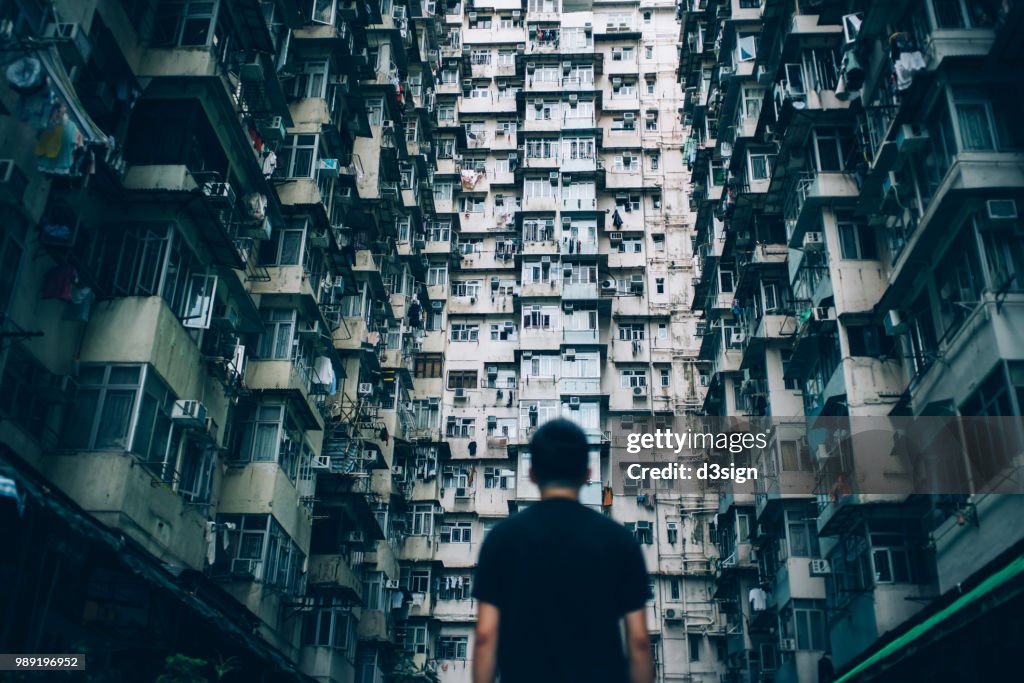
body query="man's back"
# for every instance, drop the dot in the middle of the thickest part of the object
(562, 577)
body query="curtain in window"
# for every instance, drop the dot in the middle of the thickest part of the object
(115, 419)
(975, 131)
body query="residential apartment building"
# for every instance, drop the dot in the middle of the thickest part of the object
(857, 180)
(286, 287)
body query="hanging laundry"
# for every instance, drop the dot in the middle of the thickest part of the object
(384, 436)
(211, 542)
(82, 299)
(269, 164)
(59, 282)
(606, 496)
(908, 64)
(758, 599)
(56, 144)
(324, 370)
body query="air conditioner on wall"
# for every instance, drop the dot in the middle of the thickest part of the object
(814, 241)
(189, 413)
(365, 389)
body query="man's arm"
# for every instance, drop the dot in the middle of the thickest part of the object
(641, 662)
(485, 643)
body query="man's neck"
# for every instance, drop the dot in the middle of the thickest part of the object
(562, 492)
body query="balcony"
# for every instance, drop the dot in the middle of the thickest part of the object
(579, 386)
(332, 572)
(809, 193)
(580, 336)
(580, 290)
(577, 203)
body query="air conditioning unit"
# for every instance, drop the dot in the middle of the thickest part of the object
(272, 129)
(568, 306)
(436, 305)
(517, 13)
(574, 402)
(814, 241)
(1001, 209)
(433, 401)
(463, 492)
(628, 116)
(553, 176)
(614, 237)
(492, 371)
(638, 392)
(673, 614)
(460, 394)
(824, 313)
(570, 354)
(787, 644)
(391, 583)
(365, 389)
(743, 237)
(13, 182)
(328, 167)
(242, 567)
(309, 328)
(820, 568)
(737, 338)
(616, 81)
(545, 259)
(911, 138)
(387, 124)
(320, 462)
(356, 537)
(573, 98)
(251, 69)
(398, 471)
(189, 413)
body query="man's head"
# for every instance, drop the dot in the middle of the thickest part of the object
(559, 454)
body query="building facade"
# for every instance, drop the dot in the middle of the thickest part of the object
(286, 287)
(857, 178)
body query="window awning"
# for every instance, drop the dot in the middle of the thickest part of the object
(930, 630)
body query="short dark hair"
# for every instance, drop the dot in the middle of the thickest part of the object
(559, 453)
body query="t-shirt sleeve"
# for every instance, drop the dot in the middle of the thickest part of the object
(633, 586)
(489, 579)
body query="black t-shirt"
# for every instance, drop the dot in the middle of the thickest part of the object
(562, 577)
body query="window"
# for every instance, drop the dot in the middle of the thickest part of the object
(666, 377)
(277, 339)
(415, 640)
(746, 47)
(452, 647)
(110, 399)
(674, 588)
(795, 456)
(651, 121)
(694, 641)
(297, 156)
(761, 166)
(649, 52)
(267, 432)
(422, 518)
(499, 478)
(428, 366)
(460, 427)
(643, 533)
(459, 532)
(628, 203)
(856, 240)
(802, 533)
(185, 23)
(462, 379)
(260, 549)
(446, 112)
(833, 149)
(455, 587)
(464, 332)
(443, 191)
(437, 274)
(726, 281)
(631, 331)
(284, 248)
(964, 13)
(328, 627)
(465, 288)
(311, 80)
(633, 378)
(805, 621)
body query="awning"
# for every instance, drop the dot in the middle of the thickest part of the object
(928, 630)
(55, 502)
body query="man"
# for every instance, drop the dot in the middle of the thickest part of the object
(555, 581)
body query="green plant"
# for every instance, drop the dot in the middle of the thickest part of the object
(181, 668)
